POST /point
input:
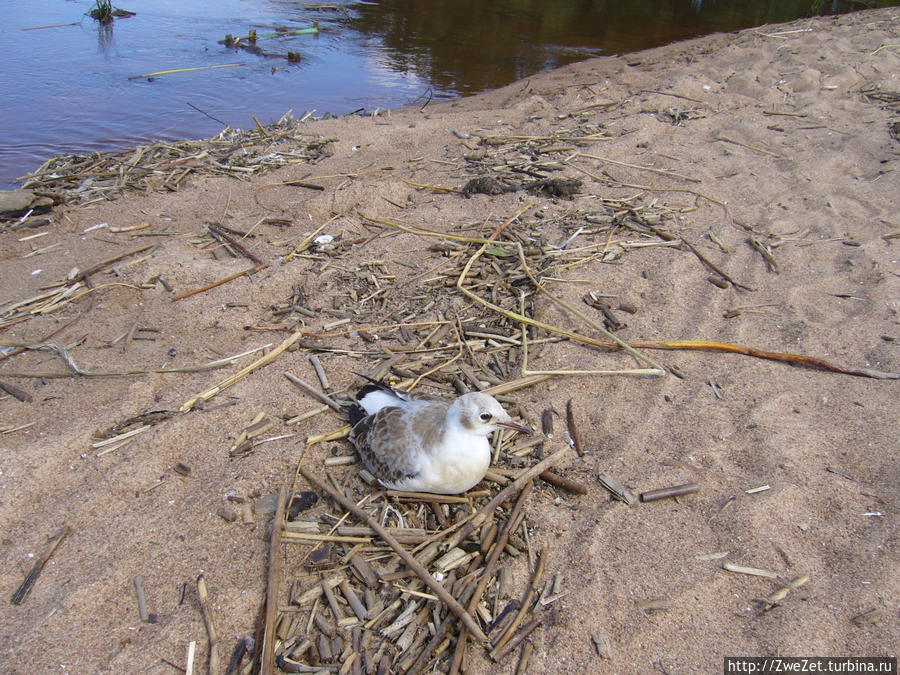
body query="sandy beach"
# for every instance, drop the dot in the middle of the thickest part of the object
(737, 188)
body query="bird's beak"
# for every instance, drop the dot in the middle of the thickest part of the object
(515, 426)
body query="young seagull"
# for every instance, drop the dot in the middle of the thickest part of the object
(423, 443)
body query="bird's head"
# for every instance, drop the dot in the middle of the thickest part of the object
(481, 414)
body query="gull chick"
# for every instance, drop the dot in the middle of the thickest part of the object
(423, 443)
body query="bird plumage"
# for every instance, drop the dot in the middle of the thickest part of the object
(424, 443)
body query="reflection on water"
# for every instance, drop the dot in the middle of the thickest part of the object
(468, 46)
(66, 85)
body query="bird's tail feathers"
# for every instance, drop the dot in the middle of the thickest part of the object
(357, 415)
(377, 395)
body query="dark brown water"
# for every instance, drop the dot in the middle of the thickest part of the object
(65, 87)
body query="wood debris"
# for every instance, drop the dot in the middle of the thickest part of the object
(373, 596)
(165, 165)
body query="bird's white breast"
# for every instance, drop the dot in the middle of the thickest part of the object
(460, 464)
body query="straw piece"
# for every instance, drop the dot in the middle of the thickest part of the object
(190, 404)
(752, 571)
(141, 599)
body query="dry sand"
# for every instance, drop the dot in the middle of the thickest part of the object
(808, 169)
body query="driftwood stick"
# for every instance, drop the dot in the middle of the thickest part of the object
(405, 556)
(16, 392)
(23, 590)
(267, 666)
(210, 627)
(252, 270)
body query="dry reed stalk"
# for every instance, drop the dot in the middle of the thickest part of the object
(141, 599)
(656, 371)
(752, 571)
(499, 648)
(411, 562)
(262, 361)
(662, 172)
(320, 396)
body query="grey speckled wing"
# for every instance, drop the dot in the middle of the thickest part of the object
(372, 444)
(392, 441)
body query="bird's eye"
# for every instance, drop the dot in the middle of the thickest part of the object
(485, 417)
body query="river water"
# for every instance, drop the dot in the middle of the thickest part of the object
(70, 85)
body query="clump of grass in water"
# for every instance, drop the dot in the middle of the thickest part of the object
(103, 12)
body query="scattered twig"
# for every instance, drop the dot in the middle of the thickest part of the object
(252, 270)
(664, 493)
(262, 361)
(16, 392)
(712, 267)
(748, 146)
(514, 642)
(662, 172)
(573, 429)
(774, 598)
(25, 587)
(312, 391)
(96, 267)
(563, 482)
(752, 571)
(220, 232)
(534, 588)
